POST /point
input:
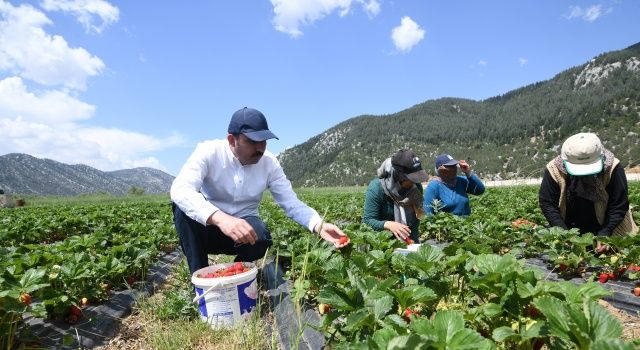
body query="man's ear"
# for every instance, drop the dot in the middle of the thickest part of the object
(232, 140)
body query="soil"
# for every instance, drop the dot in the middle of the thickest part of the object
(630, 323)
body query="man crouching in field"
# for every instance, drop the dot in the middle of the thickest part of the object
(217, 192)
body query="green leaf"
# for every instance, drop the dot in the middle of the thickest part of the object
(490, 309)
(379, 304)
(603, 325)
(612, 344)
(338, 298)
(501, 334)
(468, 339)
(554, 310)
(412, 341)
(358, 319)
(446, 323)
(381, 337)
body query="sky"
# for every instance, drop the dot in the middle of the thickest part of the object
(124, 84)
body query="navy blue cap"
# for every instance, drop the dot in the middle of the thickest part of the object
(252, 124)
(446, 160)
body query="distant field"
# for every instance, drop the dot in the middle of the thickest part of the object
(94, 198)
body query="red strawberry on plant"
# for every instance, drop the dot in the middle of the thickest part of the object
(324, 308)
(408, 240)
(636, 291)
(72, 319)
(74, 310)
(131, 279)
(406, 315)
(603, 277)
(25, 298)
(563, 267)
(532, 311)
(343, 240)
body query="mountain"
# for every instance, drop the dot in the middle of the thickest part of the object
(508, 136)
(27, 175)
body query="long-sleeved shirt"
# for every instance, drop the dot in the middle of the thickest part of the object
(378, 208)
(581, 212)
(214, 179)
(453, 199)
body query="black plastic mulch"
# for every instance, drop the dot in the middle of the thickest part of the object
(100, 323)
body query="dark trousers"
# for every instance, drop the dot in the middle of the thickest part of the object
(197, 240)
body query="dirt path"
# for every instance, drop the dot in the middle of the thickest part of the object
(631, 176)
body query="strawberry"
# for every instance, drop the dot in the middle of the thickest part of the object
(324, 308)
(636, 291)
(563, 267)
(131, 279)
(603, 277)
(72, 319)
(532, 311)
(25, 298)
(406, 315)
(343, 240)
(408, 240)
(75, 311)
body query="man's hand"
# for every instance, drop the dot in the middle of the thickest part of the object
(464, 166)
(238, 230)
(399, 230)
(331, 233)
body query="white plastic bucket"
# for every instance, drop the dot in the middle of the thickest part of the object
(411, 248)
(225, 301)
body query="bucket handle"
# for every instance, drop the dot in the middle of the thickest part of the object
(214, 285)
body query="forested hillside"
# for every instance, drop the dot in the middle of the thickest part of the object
(507, 136)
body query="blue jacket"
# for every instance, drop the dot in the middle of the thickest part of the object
(453, 199)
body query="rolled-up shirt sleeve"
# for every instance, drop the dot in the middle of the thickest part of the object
(287, 199)
(185, 189)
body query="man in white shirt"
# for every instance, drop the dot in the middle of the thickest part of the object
(217, 192)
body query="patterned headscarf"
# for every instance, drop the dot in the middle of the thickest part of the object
(407, 208)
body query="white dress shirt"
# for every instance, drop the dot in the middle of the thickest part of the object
(213, 179)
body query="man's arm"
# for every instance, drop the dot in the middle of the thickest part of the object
(298, 211)
(185, 189)
(548, 198)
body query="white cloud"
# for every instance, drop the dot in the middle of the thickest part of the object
(28, 51)
(45, 129)
(407, 34)
(290, 15)
(588, 14)
(50, 107)
(523, 61)
(482, 63)
(372, 8)
(40, 111)
(86, 12)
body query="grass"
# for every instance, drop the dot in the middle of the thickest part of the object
(168, 320)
